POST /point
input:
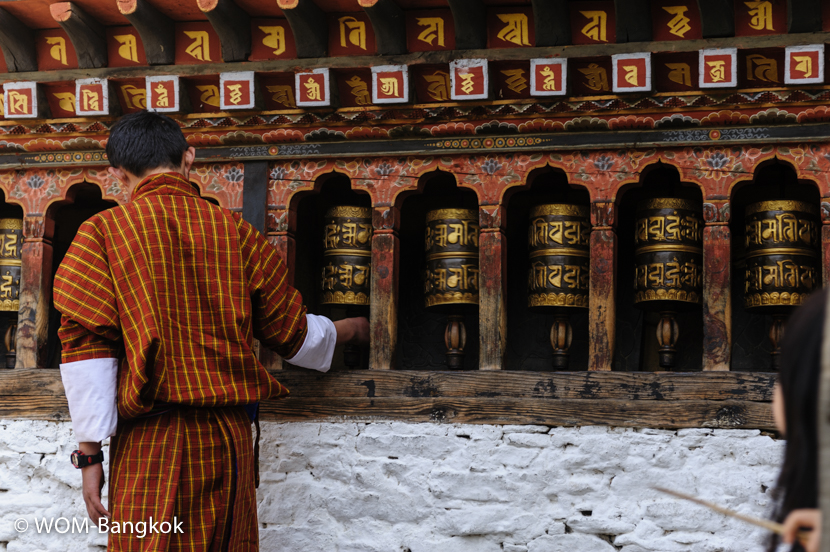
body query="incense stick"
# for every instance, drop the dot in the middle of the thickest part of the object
(776, 528)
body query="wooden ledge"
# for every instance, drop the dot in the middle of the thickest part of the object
(624, 399)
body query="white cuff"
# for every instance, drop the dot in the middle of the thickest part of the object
(318, 347)
(90, 389)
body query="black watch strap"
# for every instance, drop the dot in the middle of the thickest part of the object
(81, 460)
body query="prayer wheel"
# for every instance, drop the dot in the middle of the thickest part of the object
(11, 253)
(668, 258)
(451, 275)
(347, 256)
(559, 252)
(781, 254)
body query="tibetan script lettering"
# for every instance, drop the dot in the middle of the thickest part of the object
(679, 24)
(596, 27)
(434, 30)
(128, 48)
(352, 31)
(200, 47)
(274, 38)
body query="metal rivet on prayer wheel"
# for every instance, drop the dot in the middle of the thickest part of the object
(451, 276)
(781, 251)
(558, 240)
(11, 254)
(347, 255)
(668, 258)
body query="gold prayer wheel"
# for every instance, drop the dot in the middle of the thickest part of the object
(451, 245)
(558, 240)
(668, 259)
(11, 254)
(347, 256)
(452, 270)
(559, 252)
(781, 252)
(781, 255)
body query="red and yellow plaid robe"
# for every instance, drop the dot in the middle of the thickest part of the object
(178, 289)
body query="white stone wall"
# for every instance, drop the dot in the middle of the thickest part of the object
(396, 487)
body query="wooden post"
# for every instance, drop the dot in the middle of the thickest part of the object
(603, 287)
(35, 294)
(717, 297)
(492, 293)
(825, 241)
(383, 291)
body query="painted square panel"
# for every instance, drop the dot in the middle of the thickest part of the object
(271, 39)
(511, 27)
(197, 42)
(430, 30)
(124, 47)
(54, 50)
(593, 22)
(351, 34)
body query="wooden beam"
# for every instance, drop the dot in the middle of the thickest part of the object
(388, 22)
(717, 18)
(470, 24)
(639, 399)
(624, 386)
(804, 16)
(232, 24)
(18, 44)
(157, 31)
(88, 36)
(633, 20)
(309, 25)
(438, 57)
(579, 412)
(552, 29)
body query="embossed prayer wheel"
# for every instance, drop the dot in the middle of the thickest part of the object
(451, 275)
(559, 252)
(347, 255)
(781, 255)
(668, 258)
(11, 253)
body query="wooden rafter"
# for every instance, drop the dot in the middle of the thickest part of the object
(470, 24)
(308, 23)
(17, 43)
(633, 20)
(156, 29)
(418, 58)
(232, 24)
(388, 22)
(717, 18)
(551, 28)
(88, 36)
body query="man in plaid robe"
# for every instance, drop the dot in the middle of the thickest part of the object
(161, 300)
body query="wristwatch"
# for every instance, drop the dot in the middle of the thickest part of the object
(81, 460)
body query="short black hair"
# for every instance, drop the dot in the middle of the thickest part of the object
(143, 141)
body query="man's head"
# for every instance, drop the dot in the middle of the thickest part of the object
(145, 143)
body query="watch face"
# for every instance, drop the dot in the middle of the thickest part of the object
(75, 460)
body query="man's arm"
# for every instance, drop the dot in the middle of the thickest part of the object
(280, 319)
(91, 345)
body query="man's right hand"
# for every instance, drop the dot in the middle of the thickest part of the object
(352, 330)
(93, 482)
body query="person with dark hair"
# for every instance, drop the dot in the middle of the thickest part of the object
(795, 410)
(161, 300)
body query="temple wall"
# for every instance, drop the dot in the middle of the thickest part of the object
(389, 487)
